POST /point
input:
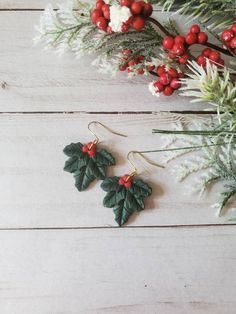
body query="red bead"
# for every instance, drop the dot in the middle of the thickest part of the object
(201, 60)
(206, 52)
(85, 149)
(165, 79)
(179, 39)
(233, 28)
(138, 23)
(106, 11)
(102, 23)
(184, 59)
(136, 8)
(195, 29)
(168, 42)
(99, 4)
(161, 69)
(178, 49)
(172, 72)
(126, 3)
(175, 84)
(147, 10)
(233, 43)
(191, 38)
(214, 56)
(168, 91)
(159, 86)
(95, 15)
(202, 38)
(227, 35)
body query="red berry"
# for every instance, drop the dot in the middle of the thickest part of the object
(168, 91)
(106, 11)
(179, 39)
(201, 60)
(165, 79)
(191, 38)
(214, 56)
(172, 72)
(184, 59)
(95, 15)
(141, 58)
(233, 43)
(168, 42)
(206, 52)
(178, 49)
(100, 4)
(136, 8)
(140, 71)
(227, 35)
(121, 181)
(92, 153)
(202, 38)
(175, 84)
(124, 28)
(147, 10)
(159, 86)
(109, 30)
(161, 69)
(171, 55)
(126, 3)
(102, 23)
(138, 23)
(195, 29)
(128, 184)
(85, 149)
(123, 67)
(233, 28)
(126, 52)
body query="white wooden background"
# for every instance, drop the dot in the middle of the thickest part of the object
(60, 250)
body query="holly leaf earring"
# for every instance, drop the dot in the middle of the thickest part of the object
(87, 161)
(126, 194)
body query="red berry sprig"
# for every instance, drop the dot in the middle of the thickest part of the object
(213, 56)
(228, 37)
(168, 80)
(90, 149)
(140, 10)
(134, 64)
(126, 181)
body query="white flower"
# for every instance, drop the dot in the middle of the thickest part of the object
(153, 90)
(118, 16)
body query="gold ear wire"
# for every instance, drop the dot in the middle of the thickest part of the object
(105, 127)
(141, 154)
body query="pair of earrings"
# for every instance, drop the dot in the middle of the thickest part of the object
(88, 162)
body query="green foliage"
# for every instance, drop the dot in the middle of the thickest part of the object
(216, 13)
(125, 201)
(86, 169)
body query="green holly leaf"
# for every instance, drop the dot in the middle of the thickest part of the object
(125, 201)
(85, 168)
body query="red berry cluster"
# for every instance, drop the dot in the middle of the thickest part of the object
(89, 149)
(101, 16)
(126, 181)
(168, 80)
(141, 10)
(228, 36)
(213, 56)
(134, 64)
(178, 45)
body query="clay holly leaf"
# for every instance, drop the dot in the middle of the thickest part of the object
(87, 163)
(125, 199)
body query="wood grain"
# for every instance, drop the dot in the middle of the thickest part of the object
(41, 81)
(35, 192)
(142, 271)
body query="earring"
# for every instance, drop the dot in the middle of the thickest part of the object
(126, 194)
(86, 161)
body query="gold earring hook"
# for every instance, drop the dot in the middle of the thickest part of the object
(105, 127)
(141, 154)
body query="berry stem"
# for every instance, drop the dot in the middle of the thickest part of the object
(159, 25)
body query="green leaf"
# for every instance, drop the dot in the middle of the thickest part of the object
(125, 201)
(85, 168)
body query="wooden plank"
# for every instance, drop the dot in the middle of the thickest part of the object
(26, 4)
(41, 81)
(36, 192)
(181, 271)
